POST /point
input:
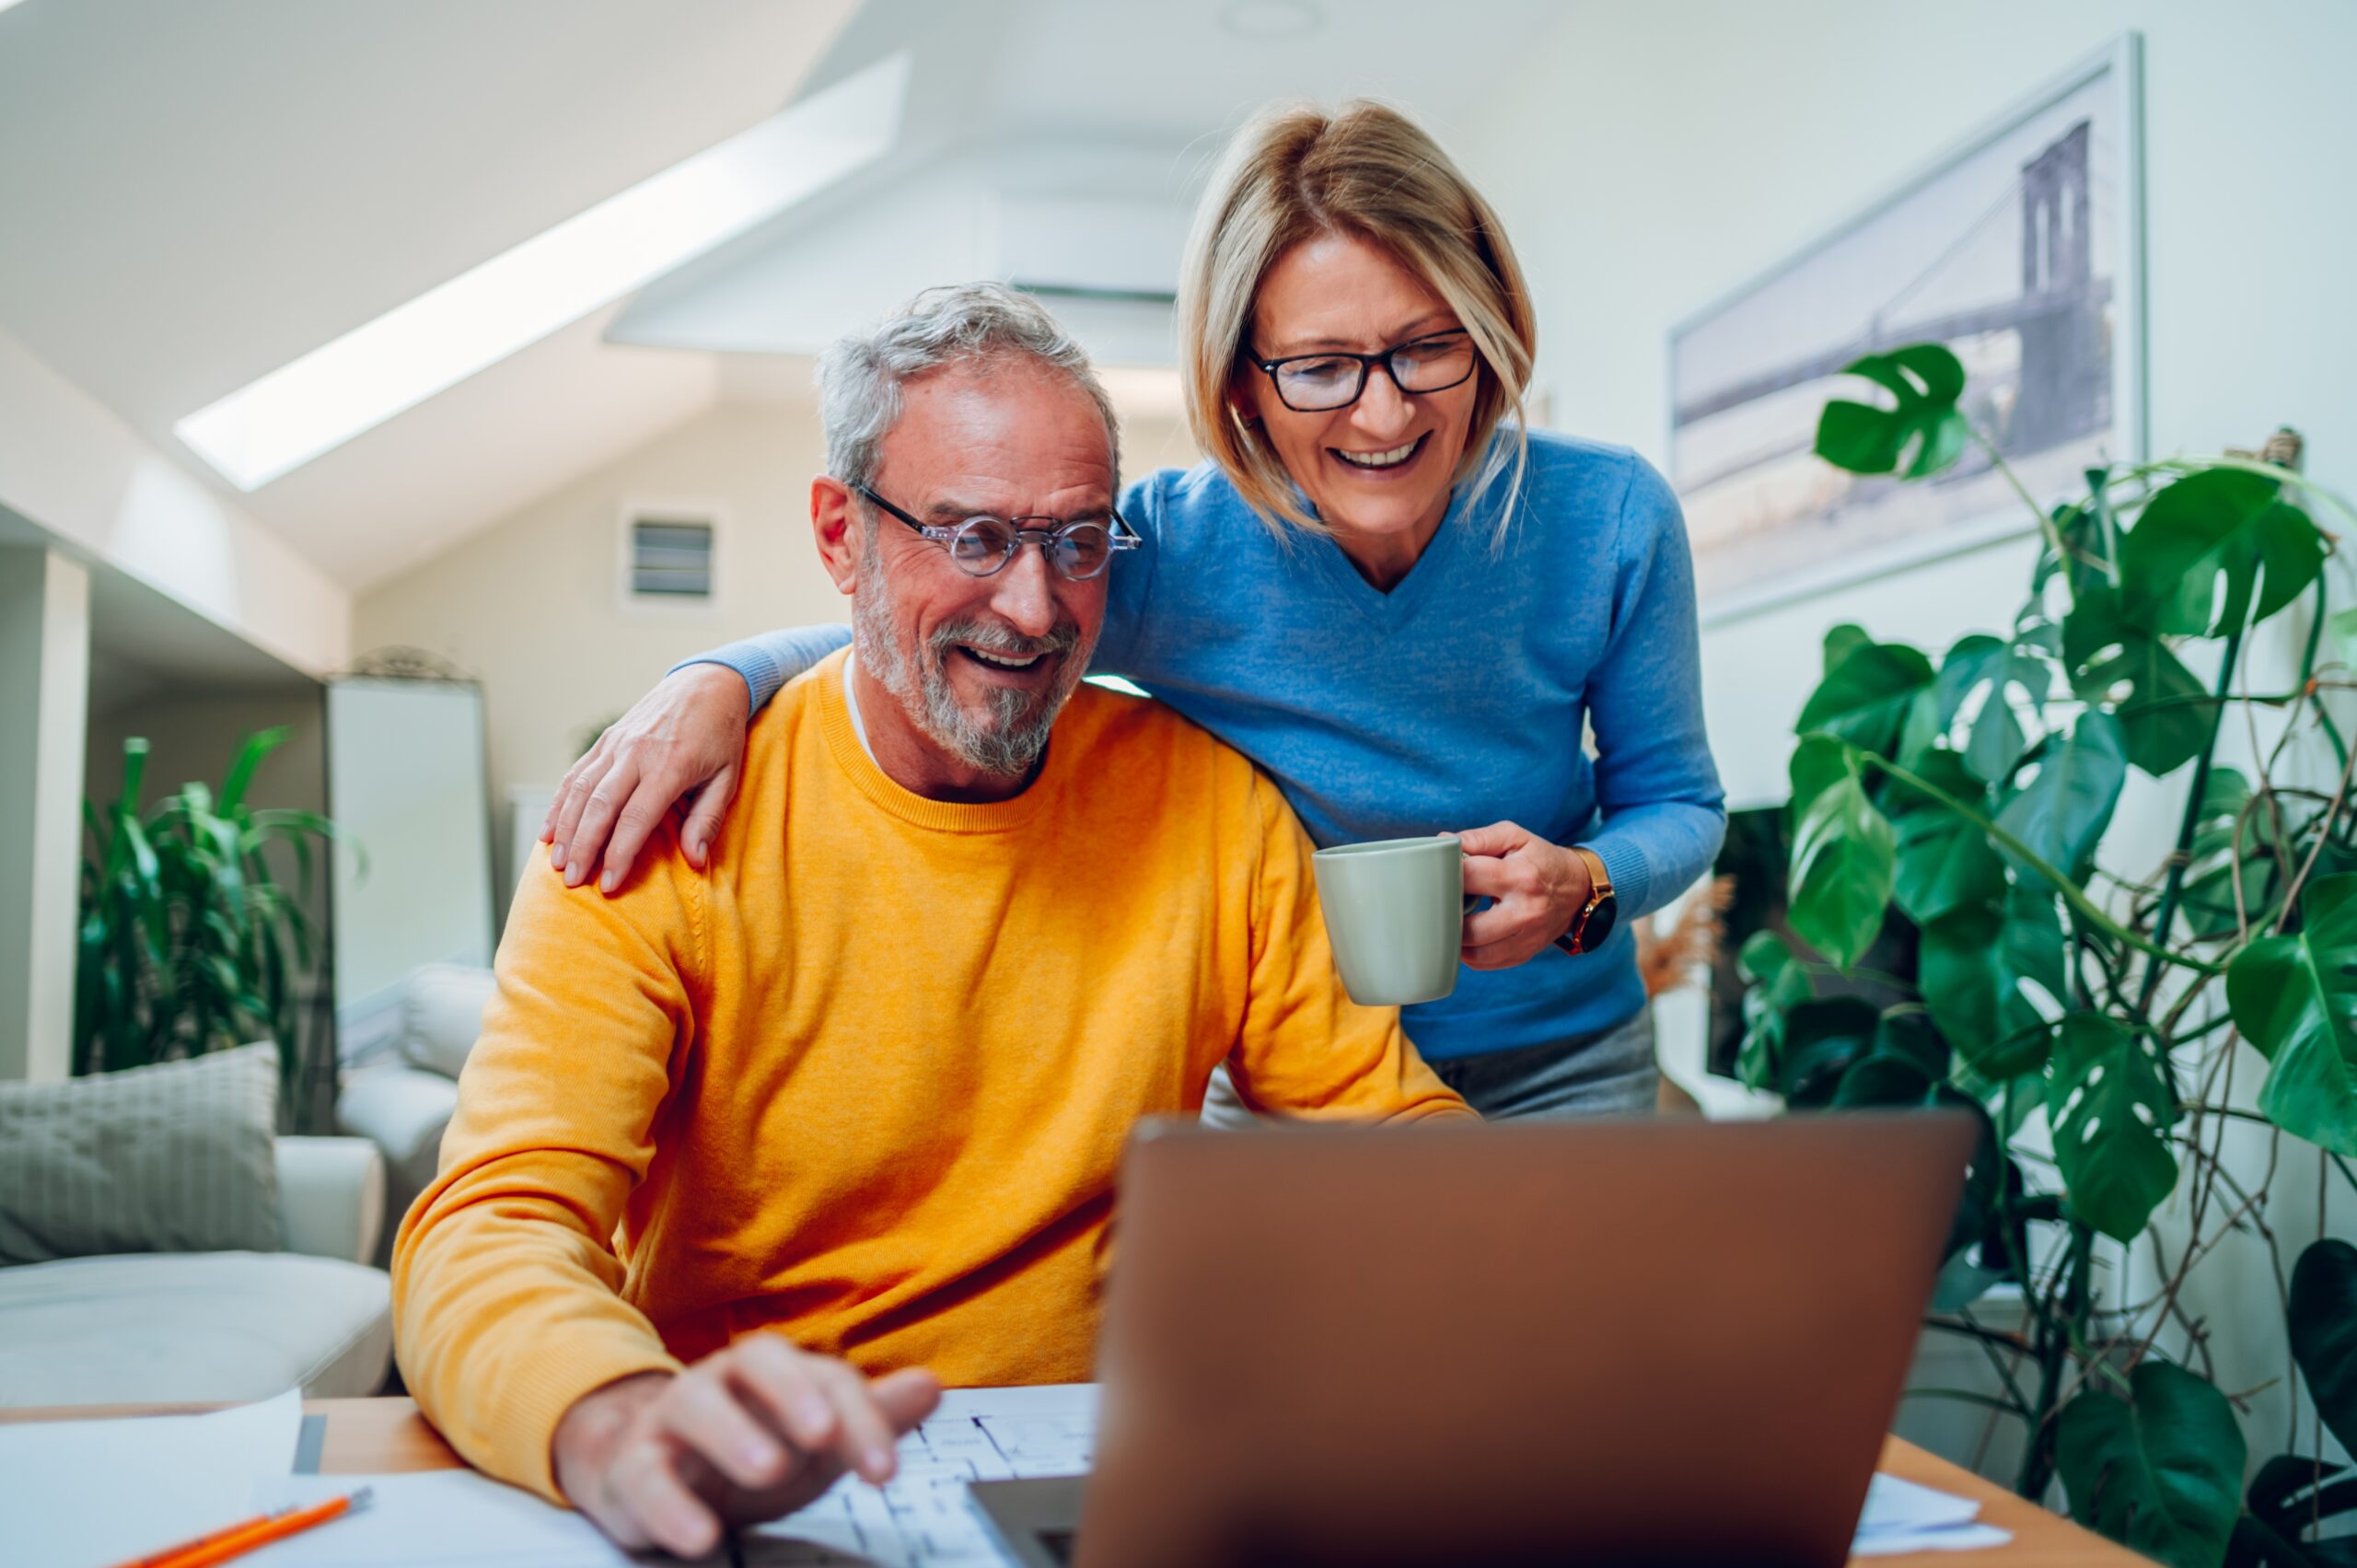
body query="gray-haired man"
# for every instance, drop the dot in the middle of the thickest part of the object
(849, 1105)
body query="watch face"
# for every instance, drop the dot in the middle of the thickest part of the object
(1600, 920)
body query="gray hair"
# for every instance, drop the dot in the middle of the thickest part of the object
(973, 324)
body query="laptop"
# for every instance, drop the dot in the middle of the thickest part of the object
(1661, 1341)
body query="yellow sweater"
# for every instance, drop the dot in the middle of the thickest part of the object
(866, 1082)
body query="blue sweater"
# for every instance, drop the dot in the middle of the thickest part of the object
(1456, 700)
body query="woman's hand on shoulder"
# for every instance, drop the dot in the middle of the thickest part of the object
(683, 739)
(1537, 890)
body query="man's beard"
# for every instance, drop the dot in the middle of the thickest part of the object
(1009, 740)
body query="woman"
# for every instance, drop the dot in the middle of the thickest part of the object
(1402, 606)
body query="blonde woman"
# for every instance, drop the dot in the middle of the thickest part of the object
(1401, 605)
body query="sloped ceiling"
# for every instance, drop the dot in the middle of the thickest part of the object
(192, 195)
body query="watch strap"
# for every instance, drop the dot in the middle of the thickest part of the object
(1600, 890)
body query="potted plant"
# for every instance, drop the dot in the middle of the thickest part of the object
(188, 942)
(1968, 795)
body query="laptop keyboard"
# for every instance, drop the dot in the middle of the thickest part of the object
(922, 1518)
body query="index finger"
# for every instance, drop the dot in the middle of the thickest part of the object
(857, 1434)
(573, 798)
(587, 838)
(1496, 923)
(564, 786)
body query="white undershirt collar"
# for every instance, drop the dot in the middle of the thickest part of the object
(851, 701)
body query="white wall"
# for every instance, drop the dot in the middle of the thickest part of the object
(1646, 158)
(70, 466)
(533, 605)
(44, 680)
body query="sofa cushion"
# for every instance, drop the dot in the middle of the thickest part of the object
(442, 1013)
(166, 1328)
(176, 1158)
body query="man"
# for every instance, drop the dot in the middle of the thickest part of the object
(866, 1082)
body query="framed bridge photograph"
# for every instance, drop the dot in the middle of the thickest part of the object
(2023, 251)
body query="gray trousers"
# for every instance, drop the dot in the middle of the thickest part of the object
(1609, 1073)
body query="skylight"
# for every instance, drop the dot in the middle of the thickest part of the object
(316, 404)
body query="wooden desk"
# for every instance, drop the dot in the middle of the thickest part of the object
(384, 1436)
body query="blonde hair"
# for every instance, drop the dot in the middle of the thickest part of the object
(1297, 171)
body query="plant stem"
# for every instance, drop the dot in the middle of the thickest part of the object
(1989, 1343)
(2069, 890)
(1968, 1397)
(2062, 1323)
(2294, 477)
(2174, 885)
(2045, 521)
(2310, 685)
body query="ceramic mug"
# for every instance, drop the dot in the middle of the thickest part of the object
(1394, 913)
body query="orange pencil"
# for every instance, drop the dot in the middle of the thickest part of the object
(222, 1546)
(172, 1553)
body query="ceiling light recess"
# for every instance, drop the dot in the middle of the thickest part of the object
(316, 404)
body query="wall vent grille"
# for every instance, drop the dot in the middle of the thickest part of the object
(670, 559)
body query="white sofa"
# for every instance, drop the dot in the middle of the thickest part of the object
(402, 1104)
(169, 1327)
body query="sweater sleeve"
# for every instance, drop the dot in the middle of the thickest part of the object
(1121, 647)
(771, 658)
(1663, 813)
(1305, 1049)
(507, 1288)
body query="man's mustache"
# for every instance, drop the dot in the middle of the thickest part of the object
(997, 638)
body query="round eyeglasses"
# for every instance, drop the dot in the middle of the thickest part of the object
(1319, 383)
(1076, 547)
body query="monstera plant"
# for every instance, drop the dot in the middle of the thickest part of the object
(1959, 800)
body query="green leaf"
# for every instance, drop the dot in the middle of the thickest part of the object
(2279, 1492)
(1998, 670)
(2216, 551)
(1988, 1240)
(1945, 862)
(1819, 762)
(2165, 713)
(2110, 1109)
(2259, 1544)
(2343, 627)
(259, 745)
(2323, 1328)
(2294, 997)
(1822, 1038)
(1924, 381)
(2209, 899)
(1844, 857)
(1781, 981)
(1841, 642)
(1972, 965)
(1868, 697)
(1904, 1059)
(2159, 1471)
(135, 774)
(2060, 814)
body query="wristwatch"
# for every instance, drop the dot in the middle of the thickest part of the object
(1595, 919)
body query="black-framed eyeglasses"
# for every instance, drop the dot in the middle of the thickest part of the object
(1319, 383)
(1076, 547)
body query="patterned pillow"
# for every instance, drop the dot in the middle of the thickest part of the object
(176, 1158)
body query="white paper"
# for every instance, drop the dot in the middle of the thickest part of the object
(1953, 1538)
(450, 1518)
(921, 1519)
(89, 1493)
(459, 1520)
(1902, 1516)
(1895, 1504)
